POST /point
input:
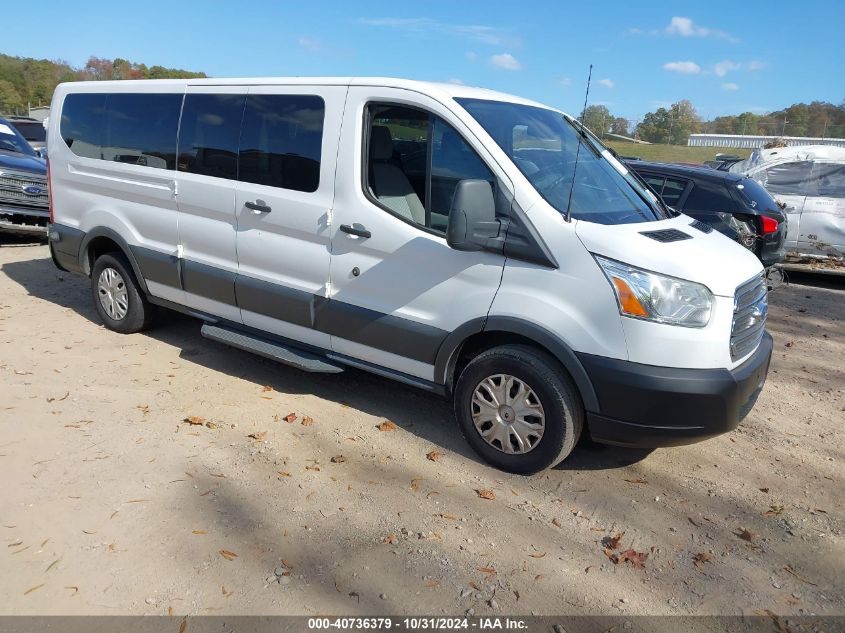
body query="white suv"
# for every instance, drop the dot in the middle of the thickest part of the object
(470, 243)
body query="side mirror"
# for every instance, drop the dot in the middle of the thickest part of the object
(472, 218)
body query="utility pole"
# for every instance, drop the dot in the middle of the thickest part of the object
(783, 130)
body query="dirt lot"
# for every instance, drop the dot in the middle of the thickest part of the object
(111, 503)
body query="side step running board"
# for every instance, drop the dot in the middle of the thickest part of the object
(274, 351)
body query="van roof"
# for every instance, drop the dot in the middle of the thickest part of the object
(425, 87)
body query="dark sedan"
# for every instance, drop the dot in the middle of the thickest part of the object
(731, 203)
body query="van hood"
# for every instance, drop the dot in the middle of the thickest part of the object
(711, 259)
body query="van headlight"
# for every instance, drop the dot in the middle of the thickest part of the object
(646, 295)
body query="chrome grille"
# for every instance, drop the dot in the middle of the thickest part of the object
(751, 305)
(13, 185)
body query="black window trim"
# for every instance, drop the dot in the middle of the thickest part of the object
(365, 161)
(682, 199)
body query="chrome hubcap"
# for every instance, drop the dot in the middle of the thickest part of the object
(111, 289)
(508, 414)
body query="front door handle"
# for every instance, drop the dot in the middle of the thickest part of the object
(258, 206)
(358, 230)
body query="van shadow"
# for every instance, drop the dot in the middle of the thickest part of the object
(426, 415)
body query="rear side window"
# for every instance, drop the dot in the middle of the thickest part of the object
(281, 141)
(786, 179)
(81, 127)
(672, 191)
(829, 180)
(754, 194)
(208, 136)
(31, 130)
(140, 129)
(708, 196)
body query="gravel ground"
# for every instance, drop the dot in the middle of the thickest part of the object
(286, 497)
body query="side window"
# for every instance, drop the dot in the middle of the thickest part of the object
(281, 141)
(673, 190)
(655, 182)
(415, 162)
(786, 179)
(82, 123)
(208, 135)
(140, 129)
(708, 196)
(828, 180)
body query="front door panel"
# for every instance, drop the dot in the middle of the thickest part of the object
(397, 294)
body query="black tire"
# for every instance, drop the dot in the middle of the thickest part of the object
(139, 312)
(560, 401)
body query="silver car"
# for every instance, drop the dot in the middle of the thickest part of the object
(810, 181)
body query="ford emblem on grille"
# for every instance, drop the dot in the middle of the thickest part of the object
(32, 190)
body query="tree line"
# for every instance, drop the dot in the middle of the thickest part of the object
(26, 81)
(674, 124)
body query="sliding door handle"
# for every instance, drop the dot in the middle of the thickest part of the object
(356, 229)
(258, 206)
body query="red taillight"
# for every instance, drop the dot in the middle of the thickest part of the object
(770, 225)
(49, 191)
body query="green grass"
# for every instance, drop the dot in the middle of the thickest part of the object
(673, 153)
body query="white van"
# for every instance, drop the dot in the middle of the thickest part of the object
(467, 242)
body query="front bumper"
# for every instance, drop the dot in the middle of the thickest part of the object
(648, 406)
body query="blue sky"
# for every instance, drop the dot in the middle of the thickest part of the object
(726, 57)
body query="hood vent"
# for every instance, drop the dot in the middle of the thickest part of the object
(667, 235)
(701, 226)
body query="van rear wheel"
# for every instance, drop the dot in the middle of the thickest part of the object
(518, 409)
(118, 298)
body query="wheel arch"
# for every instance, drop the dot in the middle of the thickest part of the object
(480, 334)
(101, 240)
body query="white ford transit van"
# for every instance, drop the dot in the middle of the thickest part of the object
(470, 243)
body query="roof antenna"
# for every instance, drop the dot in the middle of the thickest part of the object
(581, 133)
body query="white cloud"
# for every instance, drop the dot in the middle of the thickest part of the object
(471, 55)
(685, 27)
(756, 65)
(730, 86)
(506, 61)
(477, 32)
(685, 68)
(457, 82)
(607, 83)
(723, 68)
(310, 44)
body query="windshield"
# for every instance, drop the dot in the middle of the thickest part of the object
(543, 144)
(12, 141)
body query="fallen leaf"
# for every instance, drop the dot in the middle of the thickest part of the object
(225, 592)
(228, 555)
(283, 473)
(612, 542)
(487, 570)
(170, 611)
(538, 577)
(485, 494)
(75, 589)
(474, 585)
(636, 481)
(744, 534)
(35, 588)
(387, 425)
(792, 571)
(199, 532)
(306, 421)
(773, 510)
(415, 484)
(267, 388)
(637, 559)
(587, 569)
(390, 539)
(258, 435)
(555, 522)
(338, 459)
(701, 558)
(537, 554)
(434, 456)
(195, 420)
(183, 625)
(313, 467)
(290, 418)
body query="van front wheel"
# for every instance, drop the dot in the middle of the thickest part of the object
(119, 300)
(518, 409)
